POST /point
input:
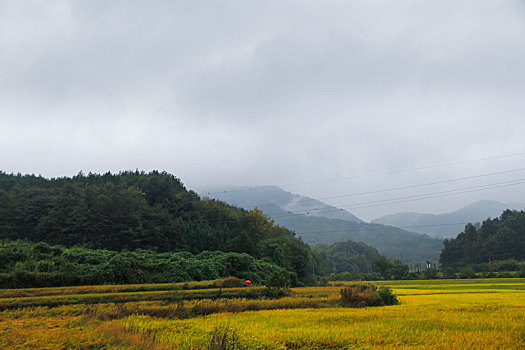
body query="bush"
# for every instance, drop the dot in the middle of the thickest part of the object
(362, 295)
(387, 296)
(276, 284)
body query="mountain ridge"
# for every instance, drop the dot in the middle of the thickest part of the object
(269, 195)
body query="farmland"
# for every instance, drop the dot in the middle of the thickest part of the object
(482, 313)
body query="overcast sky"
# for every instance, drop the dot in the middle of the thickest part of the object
(307, 95)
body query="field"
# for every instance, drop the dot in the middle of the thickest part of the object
(435, 314)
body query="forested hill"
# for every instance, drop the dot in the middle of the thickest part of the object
(132, 210)
(496, 239)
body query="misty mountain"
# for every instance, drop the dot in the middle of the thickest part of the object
(267, 198)
(316, 229)
(448, 224)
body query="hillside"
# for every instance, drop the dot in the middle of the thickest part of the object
(496, 239)
(448, 224)
(314, 229)
(137, 210)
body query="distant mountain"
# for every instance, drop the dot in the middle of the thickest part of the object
(449, 224)
(267, 197)
(317, 229)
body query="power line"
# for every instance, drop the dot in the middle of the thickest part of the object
(416, 197)
(397, 188)
(189, 220)
(367, 204)
(382, 173)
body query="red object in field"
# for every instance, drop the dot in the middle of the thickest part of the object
(248, 282)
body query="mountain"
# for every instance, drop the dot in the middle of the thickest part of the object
(449, 224)
(316, 229)
(267, 198)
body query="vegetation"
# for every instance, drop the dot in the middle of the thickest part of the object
(456, 314)
(342, 257)
(391, 270)
(137, 227)
(276, 285)
(367, 294)
(41, 265)
(223, 338)
(495, 240)
(137, 210)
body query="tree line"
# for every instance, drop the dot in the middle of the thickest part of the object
(137, 227)
(138, 210)
(499, 239)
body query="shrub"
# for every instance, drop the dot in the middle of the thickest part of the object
(362, 295)
(387, 296)
(276, 284)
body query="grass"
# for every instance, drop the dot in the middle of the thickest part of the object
(120, 288)
(454, 314)
(125, 297)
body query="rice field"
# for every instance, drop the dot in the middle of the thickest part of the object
(436, 314)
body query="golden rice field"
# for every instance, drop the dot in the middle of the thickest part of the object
(438, 314)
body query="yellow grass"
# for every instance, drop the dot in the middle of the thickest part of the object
(437, 317)
(448, 314)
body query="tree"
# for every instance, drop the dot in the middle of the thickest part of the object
(399, 270)
(383, 266)
(275, 284)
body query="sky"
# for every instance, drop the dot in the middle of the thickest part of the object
(323, 98)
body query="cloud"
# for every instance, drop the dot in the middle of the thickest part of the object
(250, 93)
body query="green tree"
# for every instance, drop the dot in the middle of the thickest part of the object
(399, 270)
(383, 266)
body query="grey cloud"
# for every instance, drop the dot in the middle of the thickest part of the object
(276, 92)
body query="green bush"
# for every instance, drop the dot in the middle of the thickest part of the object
(276, 284)
(23, 266)
(387, 296)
